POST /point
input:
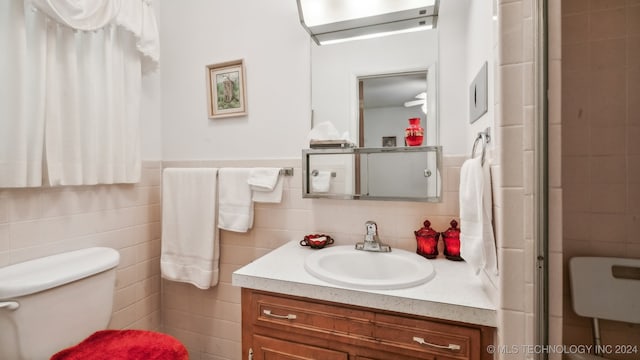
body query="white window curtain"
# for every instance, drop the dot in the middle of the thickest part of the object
(70, 90)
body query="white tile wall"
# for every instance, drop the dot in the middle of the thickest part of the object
(44, 221)
(516, 171)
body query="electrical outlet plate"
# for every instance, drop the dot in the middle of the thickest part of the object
(478, 95)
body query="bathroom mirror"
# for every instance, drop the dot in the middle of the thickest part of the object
(387, 101)
(352, 77)
(370, 89)
(387, 173)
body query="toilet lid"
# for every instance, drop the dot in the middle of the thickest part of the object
(125, 345)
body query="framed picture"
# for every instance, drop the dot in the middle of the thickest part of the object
(226, 89)
(388, 141)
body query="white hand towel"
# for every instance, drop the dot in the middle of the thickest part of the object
(189, 249)
(477, 243)
(263, 179)
(321, 182)
(266, 185)
(235, 208)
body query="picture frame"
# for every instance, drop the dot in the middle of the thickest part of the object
(226, 89)
(388, 141)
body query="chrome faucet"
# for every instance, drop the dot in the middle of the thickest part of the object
(371, 240)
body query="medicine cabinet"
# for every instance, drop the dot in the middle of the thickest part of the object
(385, 173)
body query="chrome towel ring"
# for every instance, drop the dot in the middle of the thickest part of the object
(486, 139)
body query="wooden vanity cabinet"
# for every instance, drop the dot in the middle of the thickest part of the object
(279, 327)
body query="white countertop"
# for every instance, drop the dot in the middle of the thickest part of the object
(455, 293)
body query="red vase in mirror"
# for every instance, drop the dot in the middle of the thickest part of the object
(414, 134)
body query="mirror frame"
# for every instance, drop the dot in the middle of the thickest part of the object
(432, 126)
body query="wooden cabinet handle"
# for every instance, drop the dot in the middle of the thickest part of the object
(421, 341)
(287, 317)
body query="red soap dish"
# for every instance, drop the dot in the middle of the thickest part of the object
(316, 241)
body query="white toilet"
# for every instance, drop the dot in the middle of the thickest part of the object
(54, 302)
(49, 305)
(604, 288)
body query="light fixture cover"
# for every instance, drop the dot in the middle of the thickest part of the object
(330, 21)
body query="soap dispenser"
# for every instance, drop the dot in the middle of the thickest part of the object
(451, 239)
(427, 239)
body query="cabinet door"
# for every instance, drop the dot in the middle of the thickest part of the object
(266, 348)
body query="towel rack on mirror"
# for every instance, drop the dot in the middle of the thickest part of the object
(485, 137)
(316, 173)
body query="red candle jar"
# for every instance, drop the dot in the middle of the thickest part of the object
(414, 134)
(427, 239)
(451, 239)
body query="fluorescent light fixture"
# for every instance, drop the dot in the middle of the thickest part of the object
(333, 21)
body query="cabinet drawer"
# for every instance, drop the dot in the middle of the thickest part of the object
(286, 313)
(444, 340)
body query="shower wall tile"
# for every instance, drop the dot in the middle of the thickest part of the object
(633, 82)
(606, 4)
(555, 203)
(575, 28)
(556, 220)
(605, 168)
(573, 6)
(633, 164)
(575, 169)
(512, 230)
(609, 140)
(513, 173)
(5, 245)
(633, 18)
(607, 54)
(632, 136)
(610, 24)
(576, 56)
(610, 169)
(516, 126)
(633, 50)
(555, 282)
(512, 87)
(608, 198)
(607, 100)
(514, 260)
(511, 34)
(555, 159)
(575, 97)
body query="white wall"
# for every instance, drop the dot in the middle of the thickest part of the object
(275, 48)
(150, 117)
(466, 41)
(482, 46)
(452, 86)
(150, 114)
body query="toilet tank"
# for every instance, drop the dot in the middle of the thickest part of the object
(54, 302)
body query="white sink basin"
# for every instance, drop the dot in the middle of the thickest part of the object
(346, 266)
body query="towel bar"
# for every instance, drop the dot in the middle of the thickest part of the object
(288, 171)
(486, 139)
(316, 173)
